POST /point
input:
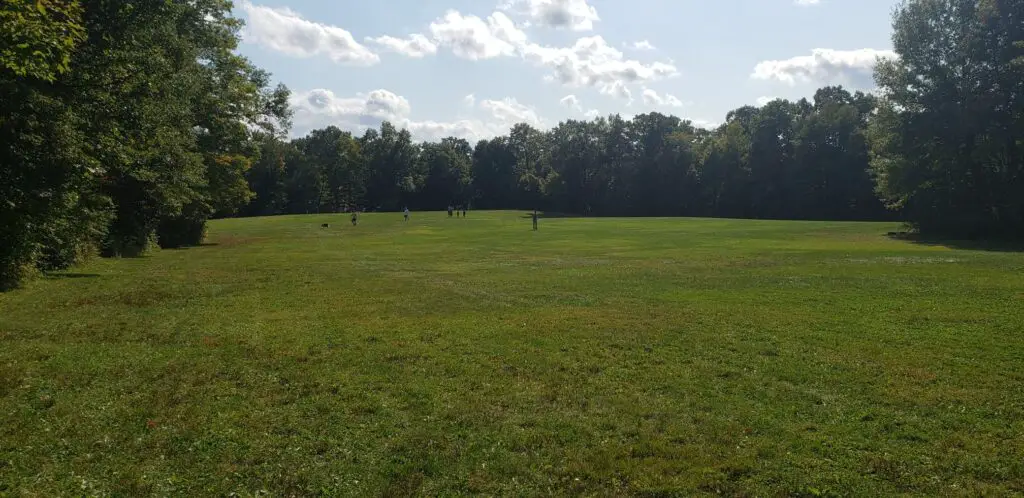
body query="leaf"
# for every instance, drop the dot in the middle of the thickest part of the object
(40, 7)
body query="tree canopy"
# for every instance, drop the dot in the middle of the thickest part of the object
(122, 121)
(39, 36)
(798, 160)
(948, 140)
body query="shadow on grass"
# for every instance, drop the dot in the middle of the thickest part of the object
(185, 248)
(545, 214)
(62, 276)
(992, 245)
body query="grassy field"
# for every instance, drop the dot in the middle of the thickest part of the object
(653, 357)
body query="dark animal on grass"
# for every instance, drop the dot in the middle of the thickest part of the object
(325, 225)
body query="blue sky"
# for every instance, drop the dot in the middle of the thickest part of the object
(474, 68)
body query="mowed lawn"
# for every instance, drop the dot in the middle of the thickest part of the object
(653, 357)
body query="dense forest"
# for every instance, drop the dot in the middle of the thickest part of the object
(129, 124)
(802, 160)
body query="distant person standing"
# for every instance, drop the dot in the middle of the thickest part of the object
(458, 210)
(355, 217)
(450, 209)
(406, 212)
(464, 209)
(534, 219)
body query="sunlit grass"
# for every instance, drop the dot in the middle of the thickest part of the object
(462, 356)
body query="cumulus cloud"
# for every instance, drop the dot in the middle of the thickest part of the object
(510, 111)
(824, 66)
(473, 38)
(652, 98)
(576, 15)
(415, 46)
(763, 101)
(591, 114)
(571, 102)
(469, 100)
(616, 89)
(643, 45)
(591, 61)
(468, 129)
(285, 31)
(321, 107)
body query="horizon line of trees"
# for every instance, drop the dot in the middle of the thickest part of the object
(785, 160)
(128, 125)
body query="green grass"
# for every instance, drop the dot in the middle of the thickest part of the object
(460, 356)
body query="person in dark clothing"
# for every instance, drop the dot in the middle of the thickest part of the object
(355, 218)
(535, 219)
(464, 209)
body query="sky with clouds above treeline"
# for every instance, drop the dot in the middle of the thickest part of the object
(474, 68)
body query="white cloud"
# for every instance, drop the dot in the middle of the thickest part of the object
(592, 62)
(384, 103)
(643, 45)
(415, 46)
(287, 32)
(469, 100)
(824, 65)
(510, 111)
(576, 15)
(616, 89)
(468, 129)
(473, 38)
(502, 115)
(319, 108)
(763, 101)
(805, 3)
(652, 98)
(591, 114)
(571, 102)
(381, 104)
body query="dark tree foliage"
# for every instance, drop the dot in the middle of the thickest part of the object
(38, 36)
(494, 176)
(124, 124)
(447, 166)
(786, 160)
(948, 140)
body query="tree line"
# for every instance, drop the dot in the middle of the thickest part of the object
(786, 160)
(127, 125)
